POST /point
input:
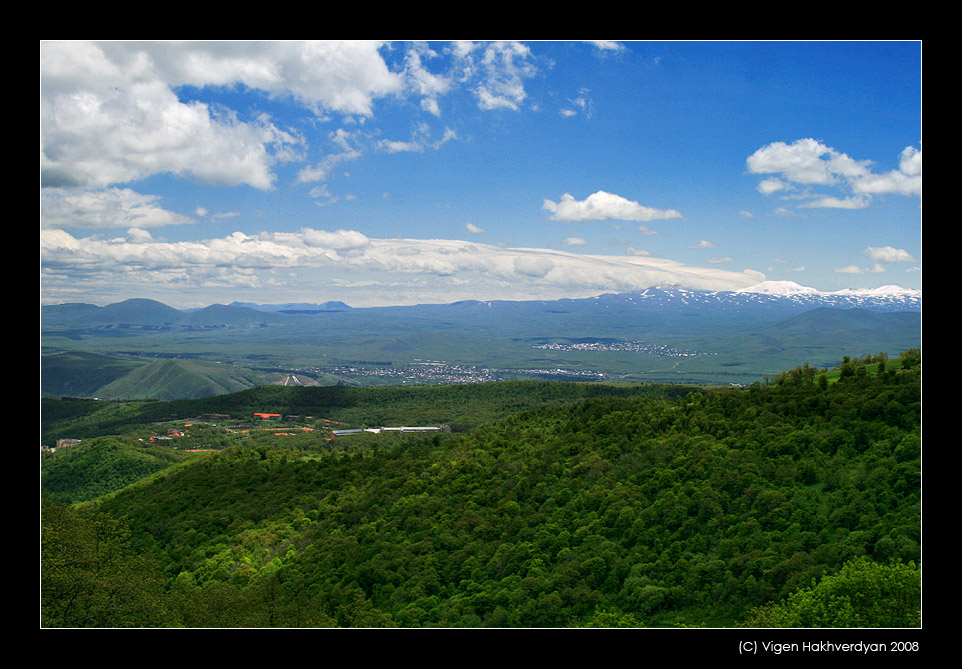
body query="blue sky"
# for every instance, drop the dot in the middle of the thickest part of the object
(406, 172)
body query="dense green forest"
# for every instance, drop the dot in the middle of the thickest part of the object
(793, 503)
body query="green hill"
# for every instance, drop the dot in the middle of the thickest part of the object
(103, 465)
(622, 510)
(76, 373)
(176, 379)
(133, 377)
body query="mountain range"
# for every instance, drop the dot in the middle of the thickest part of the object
(668, 333)
(768, 299)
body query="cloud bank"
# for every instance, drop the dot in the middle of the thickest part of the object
(347, 264)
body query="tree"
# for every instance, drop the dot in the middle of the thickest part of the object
(90, 577)
(861, 594)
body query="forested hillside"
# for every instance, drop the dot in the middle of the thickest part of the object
(717, 508)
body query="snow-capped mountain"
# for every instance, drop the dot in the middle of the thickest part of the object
(778, 288)
(883, 298)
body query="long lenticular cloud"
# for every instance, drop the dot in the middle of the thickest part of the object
(324, 258)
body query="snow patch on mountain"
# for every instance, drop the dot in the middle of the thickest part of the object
(778, 288)
(792, 288)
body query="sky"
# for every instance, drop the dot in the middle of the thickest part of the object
(390, 173)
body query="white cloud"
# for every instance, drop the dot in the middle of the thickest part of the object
(139, 236)
(423, 82)
(604, 206)
(340, 240)
(397, 146)
(889, 254)
(473, 229)
(499, 68)
(533, 265)
(109, 115)
(574, 241)
(773, 185)
(104, 208)
(117, 112)
(830, 202)
(581, 104)
(110, 111)
(805, 161)
(703, 244)
(315, 260)
(809, 163)
(420, 140)
(347, 151)
(850, 269)
(607, 45)
(906, 180)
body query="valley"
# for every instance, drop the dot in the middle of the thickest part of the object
(636, 460)
(143, 349)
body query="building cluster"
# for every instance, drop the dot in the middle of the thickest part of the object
(378, 430)
(632, 346)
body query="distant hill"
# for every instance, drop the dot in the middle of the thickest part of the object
(81, 374)
(824, 319)
(666, 334)
(103, 465)
(294, 307)
(150, 314)
(118, 377)
(823, 335)
(671, 306)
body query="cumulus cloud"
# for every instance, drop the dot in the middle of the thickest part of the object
(769, 186)
(574, 241)
(111, 112)
(882, 255)
(808, 163)
(889, 254)
(906, 180)
(473, 229)
(109, 115)
(603, 206)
